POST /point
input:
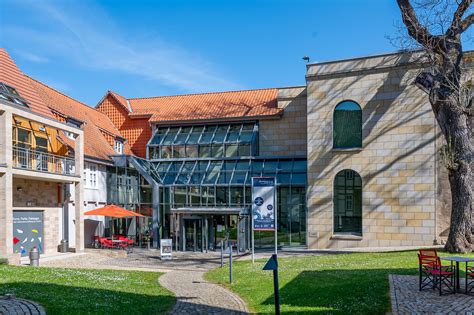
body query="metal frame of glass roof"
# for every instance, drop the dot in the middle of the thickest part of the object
(225, 140)
(225, 171)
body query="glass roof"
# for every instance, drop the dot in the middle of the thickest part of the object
(231, 133)
(288, 171)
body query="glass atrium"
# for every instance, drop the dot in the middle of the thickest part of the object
(203, 175)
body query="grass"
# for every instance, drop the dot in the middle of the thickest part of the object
(76, 291)
(330, 284)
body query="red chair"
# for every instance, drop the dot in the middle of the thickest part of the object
(469, 279)
(106, 243)
(433, 274)
(127, 240)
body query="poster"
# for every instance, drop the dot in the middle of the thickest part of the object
(27, 231)
(166, 248)
(263, 203)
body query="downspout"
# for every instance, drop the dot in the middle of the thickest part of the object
(66, 200)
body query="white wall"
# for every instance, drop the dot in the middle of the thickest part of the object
(94, 197)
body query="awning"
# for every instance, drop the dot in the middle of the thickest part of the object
(210, 210)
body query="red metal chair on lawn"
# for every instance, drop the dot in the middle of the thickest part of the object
(433, 274)
(469, 279)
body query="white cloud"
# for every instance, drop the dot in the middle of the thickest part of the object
(89, 37)
(32, 57)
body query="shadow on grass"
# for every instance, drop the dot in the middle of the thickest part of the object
(361, 291)
(65, 299)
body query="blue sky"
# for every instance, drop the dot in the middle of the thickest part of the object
(151, 48)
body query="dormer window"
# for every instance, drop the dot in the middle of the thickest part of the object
(118, 146)
(11, 94)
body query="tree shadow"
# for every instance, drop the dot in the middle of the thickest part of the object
(339, 291)
(74, 299)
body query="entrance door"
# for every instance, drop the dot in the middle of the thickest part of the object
(193, 234)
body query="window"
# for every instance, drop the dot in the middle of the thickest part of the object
(118, 146)
(21, 138)
(11, 94)
(348, 203)
(228, 140)
(347, 125)
(90, 175)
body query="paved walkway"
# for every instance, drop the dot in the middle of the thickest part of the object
(197, 296)
(183, 276)
(9, 305)
(407, 299)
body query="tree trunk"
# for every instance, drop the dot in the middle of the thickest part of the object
(455, 125)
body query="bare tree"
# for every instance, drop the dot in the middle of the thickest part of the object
(437, 31)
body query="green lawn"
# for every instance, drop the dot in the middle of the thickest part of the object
(334, 284)
(80, 291)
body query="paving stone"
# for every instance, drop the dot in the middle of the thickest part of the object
(13, 306)
(407, 299)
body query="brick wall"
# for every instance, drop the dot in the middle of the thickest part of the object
(136, 131)
(43, 196)
(397, 159)
(287, 135)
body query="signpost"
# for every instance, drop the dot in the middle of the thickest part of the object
(264, 212)
(166, 248)
(272, 264)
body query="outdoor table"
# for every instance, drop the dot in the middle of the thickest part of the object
(457, 260)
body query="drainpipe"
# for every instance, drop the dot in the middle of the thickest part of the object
(66, 199)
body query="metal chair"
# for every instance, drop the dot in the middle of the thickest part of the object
(433, 274)
(469, 279)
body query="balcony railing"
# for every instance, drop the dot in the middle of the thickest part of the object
(42, 161)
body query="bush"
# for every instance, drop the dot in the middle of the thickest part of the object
(3, 261)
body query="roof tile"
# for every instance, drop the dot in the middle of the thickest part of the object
(12, 75)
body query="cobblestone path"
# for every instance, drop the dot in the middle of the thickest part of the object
(197, 296)
(407, 299)
(183, 276)
(14, 306)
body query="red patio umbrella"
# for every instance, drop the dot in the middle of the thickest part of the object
(113, 211)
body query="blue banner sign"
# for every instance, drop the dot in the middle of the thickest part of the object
(263, 203)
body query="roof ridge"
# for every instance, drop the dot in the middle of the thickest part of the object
(117, 130)
(193, 94)
(65, 95)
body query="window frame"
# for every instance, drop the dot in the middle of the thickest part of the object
(91, 176)
(356, 147)
(118, 146)
(334, 192)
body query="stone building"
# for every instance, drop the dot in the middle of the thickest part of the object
(374, 172)
(355, 154)
(35, 168)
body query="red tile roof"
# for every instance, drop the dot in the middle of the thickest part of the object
(95, 122)
(207, 106)
(10, 74)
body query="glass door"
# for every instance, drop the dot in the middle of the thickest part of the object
(193, 234)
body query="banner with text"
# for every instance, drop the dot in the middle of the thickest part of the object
(263, 205)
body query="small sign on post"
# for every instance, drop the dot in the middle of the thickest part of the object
(272, 264)
(230, 263)
(166, 248)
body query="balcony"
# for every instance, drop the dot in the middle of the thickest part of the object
(42, 161)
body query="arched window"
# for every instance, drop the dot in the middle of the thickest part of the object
(347, 125)
(348, 203)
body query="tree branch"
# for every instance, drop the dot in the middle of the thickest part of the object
(468, 21)
(456, 25)
(417, 31)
